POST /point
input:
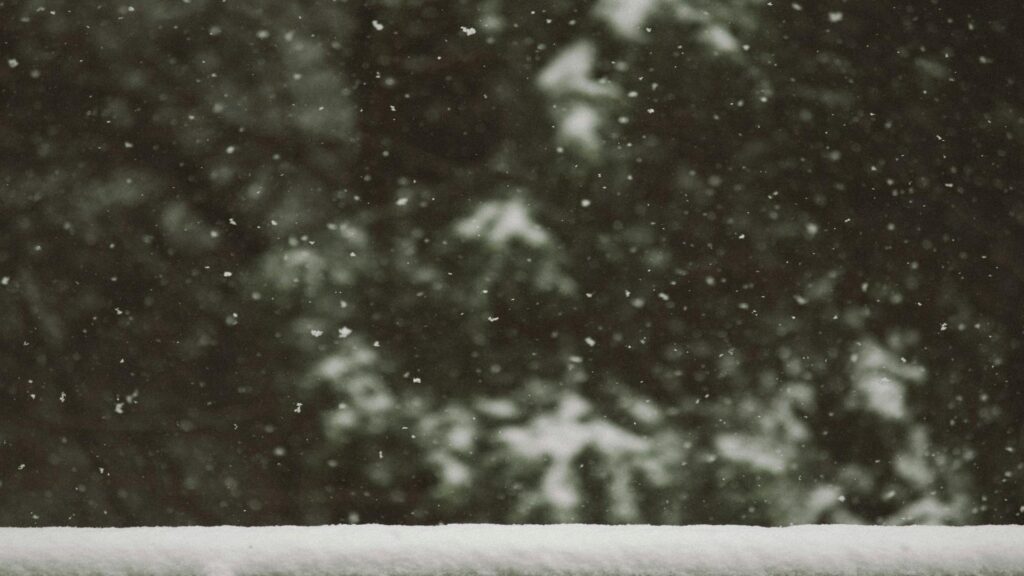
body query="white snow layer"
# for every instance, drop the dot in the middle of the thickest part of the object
(563, 550)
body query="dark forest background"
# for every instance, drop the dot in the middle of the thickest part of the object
(414, 261)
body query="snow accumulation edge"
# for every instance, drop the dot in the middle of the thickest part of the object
(479, 550)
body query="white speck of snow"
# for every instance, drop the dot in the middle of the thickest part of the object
(263, 34)
(835, 17)
(5, 281)
(468, 30)
(377, 26)
(129, 145)
(492, 318)
(227, 274)
(298, 408)
(119, 407)
(585, 202)
(344, 332)
(21, 467)
(402, 201)
(63, 397)
(316, 333)
(12, 62)
(590, 341)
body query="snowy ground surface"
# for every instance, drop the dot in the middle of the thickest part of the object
(514, 550)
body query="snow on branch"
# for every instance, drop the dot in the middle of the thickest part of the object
(472, 550)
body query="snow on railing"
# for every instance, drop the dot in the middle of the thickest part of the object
(477, 550)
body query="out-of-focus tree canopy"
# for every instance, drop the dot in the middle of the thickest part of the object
(666, 261)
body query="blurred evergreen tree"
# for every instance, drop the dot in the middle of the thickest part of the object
(669, 261)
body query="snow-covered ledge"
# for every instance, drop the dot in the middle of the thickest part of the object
(471, 550)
